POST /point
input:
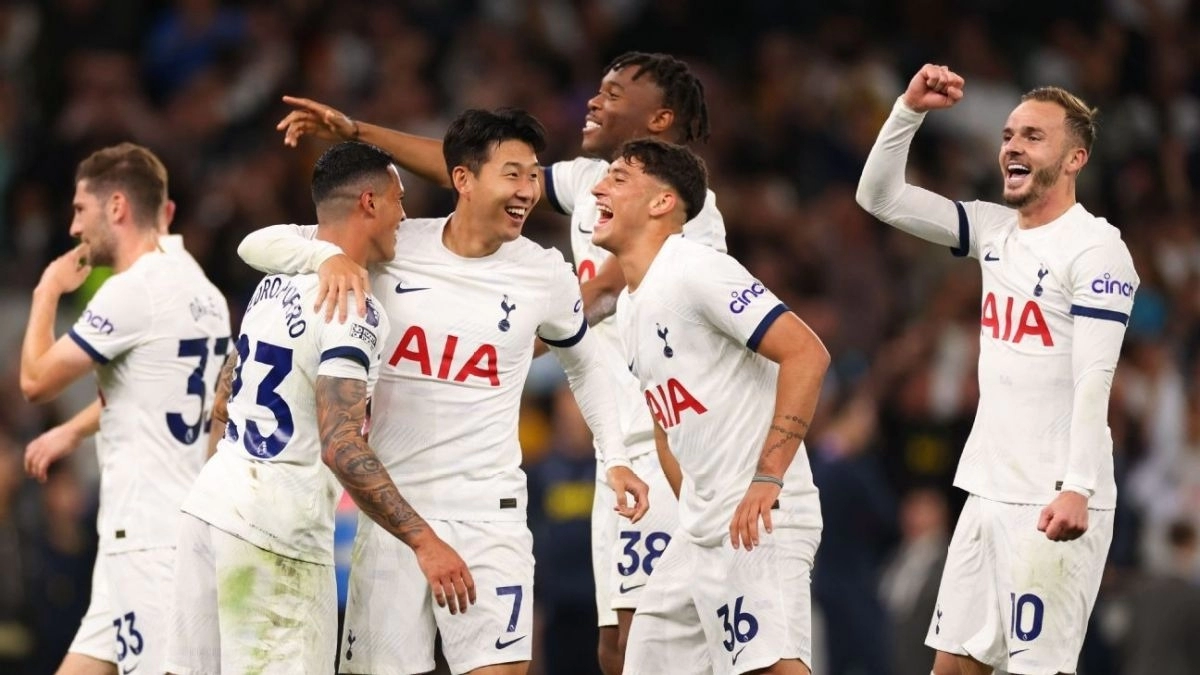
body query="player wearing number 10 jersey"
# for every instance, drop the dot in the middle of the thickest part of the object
(155, 332)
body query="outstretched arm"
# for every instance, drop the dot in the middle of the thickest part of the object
(291, 249)
(420, 155)
(802, 360)
(341, 414)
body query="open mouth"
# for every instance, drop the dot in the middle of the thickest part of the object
(1016, 174)
(590, 125)
(605, 214)
(517, 213)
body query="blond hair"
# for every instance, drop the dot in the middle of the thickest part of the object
(1081, 119)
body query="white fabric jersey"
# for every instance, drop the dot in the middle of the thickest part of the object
(1035, 282)
(159, 332)
(267, 483)
(569, 188)
(1052, 296)
(691, 332)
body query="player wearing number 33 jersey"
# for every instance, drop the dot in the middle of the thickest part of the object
(155, 334)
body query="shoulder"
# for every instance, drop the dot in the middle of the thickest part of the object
(708, 227)
(578, 167)
(987, 216)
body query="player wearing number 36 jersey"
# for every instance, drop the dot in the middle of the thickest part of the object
(155, 334)
(731, 379)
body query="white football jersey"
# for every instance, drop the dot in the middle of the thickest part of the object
(1035, 282)
(691, 331)
(267, 483)
(569, 188)
(159, 332)
(449, 394)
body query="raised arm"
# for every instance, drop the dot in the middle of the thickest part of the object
(422, 156)
(291, 249)
(882, 189)
(802, 360)
(341, 414)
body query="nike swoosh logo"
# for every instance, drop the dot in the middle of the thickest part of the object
(623, 589)
(409, 290)
(1012, 654)
(580, 227)
(501, 645)
(737, 654)
(991, 257)
(126, 671)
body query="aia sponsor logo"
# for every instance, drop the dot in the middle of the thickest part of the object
(1001, 318)
(452, 364)
(669, 402)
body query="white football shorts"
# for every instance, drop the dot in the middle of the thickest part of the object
(392, 618)
(1010, 597)
(239, 608)
(716, 610)
(637, 547)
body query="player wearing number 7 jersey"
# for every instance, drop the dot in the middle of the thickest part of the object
(256, 590)
(155, 333)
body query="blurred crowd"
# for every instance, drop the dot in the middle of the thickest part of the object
(796, 92)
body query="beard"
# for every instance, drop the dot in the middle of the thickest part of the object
(1041, 181)
(102, 251)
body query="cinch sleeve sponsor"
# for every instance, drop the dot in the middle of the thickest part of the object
(1104, 283)
(117, 319)
(732, 300)
(564, 324)
(350, 350)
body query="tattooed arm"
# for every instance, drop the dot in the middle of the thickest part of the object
(341, 413)
(220, 411)
(802, 360)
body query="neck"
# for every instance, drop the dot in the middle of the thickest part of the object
(342, 234)
(466, 235)
(139, 243)
(1047, 209)
(636, 261)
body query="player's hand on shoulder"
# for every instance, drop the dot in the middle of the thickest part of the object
(933, 87)
(337, 277)
(51, 446)
(1065, 518)
(756, 505)
(447, 573)
(625, 482)
(67, 272)
(320, 120)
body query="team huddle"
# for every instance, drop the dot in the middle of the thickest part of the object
(385, 356)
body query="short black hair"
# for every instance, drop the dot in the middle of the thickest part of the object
(345, 164)
(682, 91)
(674, 165)
(473, 134)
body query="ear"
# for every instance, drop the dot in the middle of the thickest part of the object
(660, 121)
(460, 178)
(664, 203)
(118, 207)
(168, 215)
(366, 202)
(1077, 158)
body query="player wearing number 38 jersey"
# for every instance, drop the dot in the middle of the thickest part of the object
(155, 334)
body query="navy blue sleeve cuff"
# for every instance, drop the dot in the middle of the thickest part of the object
(1096, 313)
(352, 353)
(91, 351)
(761, 331)
(569, 342)
(548, 172)
(964, 233)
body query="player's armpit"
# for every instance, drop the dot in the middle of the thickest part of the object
(601, 291)
(670, 466)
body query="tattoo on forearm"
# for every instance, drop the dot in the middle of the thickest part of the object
(341, 411)
(782, 439)
(601, 307)
(794, 419)
(220, 411)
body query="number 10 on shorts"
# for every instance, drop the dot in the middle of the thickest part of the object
(1027, 611)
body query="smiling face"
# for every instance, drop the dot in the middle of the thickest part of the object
(91, 225)
(390, 212)
(621, 111)
(506, 188)
(1037, 153)
(626, 198)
